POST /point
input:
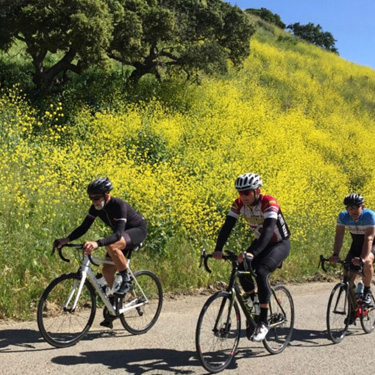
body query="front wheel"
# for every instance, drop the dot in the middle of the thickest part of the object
(218, 332)
(144, 303)
(368, 313)
(280, 319)
(338, 313)
(58, 323)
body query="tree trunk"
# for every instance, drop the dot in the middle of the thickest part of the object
(45, 79)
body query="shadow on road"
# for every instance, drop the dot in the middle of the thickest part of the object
(142, 361)
(19, 340)
(309, 338)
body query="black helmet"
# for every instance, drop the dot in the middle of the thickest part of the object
(354, 200)
(100, 186)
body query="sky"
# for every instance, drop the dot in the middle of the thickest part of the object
(351, 22)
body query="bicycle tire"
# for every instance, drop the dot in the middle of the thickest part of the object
(281, 313)
(59, 326)
(338, 313)
(367, 316)
(216, 338)
(139, 320)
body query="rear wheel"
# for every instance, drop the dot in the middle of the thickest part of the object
(280, 319)
(338, 313)
(218, 332)
(144, 302)
(58, 323)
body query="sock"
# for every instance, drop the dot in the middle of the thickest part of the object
(125, 275)
(263, 315)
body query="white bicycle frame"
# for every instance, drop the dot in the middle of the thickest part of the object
(87, 273)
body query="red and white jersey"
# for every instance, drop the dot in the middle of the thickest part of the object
(266, 208)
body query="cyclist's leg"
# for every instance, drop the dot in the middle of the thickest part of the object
(354, 252)
(115, 252)
(368, 269)
(246, 281)
(269, 260)
(132, 237)
(367, 277)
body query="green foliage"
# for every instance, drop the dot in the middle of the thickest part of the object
(180, 35)
(301, 117)
(150, 37)
(267, 16)
(314, 34)
(76, 32)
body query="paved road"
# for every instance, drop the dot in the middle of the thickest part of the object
(169, 348)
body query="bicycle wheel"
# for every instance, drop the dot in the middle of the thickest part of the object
(146, 299)
(368, 314)
(218, 332)
(280, 319)
(60, 326)
(338, 313)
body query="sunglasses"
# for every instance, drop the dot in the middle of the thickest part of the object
(352, 207)
(96, 197)
(246, 193)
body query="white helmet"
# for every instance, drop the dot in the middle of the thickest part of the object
(248, 181)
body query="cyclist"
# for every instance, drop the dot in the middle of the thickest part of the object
(270, 247)
(128, 226)
(360, 222)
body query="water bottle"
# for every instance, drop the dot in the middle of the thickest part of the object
(256, 305)
(248, 301)
(102, 282)
(359, 289)
(117, 282)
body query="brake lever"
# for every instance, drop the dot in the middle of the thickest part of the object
(62, 256)
(91, 260)
(322, 262)
(203, 252)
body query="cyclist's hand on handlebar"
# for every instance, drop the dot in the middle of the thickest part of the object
(334, 259)
(60, 242)
(247, 255)
(89, 247)
(217, 255)
(357, 261)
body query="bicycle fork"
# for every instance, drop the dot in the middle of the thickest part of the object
(71, 294)
(223, 331)
(83, 273)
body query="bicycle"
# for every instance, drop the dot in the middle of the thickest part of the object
(67, 307)
(219, 324)
(344, 306)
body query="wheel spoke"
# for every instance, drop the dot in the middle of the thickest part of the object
(144, 303)
(280, 320)
(218, 332)
(58, 324)
(338, 313)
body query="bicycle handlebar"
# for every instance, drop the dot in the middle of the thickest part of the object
(76, 246)
(346, 264)
(230, 256)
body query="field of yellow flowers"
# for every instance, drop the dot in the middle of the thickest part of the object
(302, 118)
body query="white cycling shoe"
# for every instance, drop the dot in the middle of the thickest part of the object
(260, 332)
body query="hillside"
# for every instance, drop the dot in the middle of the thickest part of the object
(300, 117)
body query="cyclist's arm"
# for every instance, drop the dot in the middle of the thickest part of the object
(259, 245)
(115, 236)
(339, 239)
(368, 242)
(224, 233)
(82, 229)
